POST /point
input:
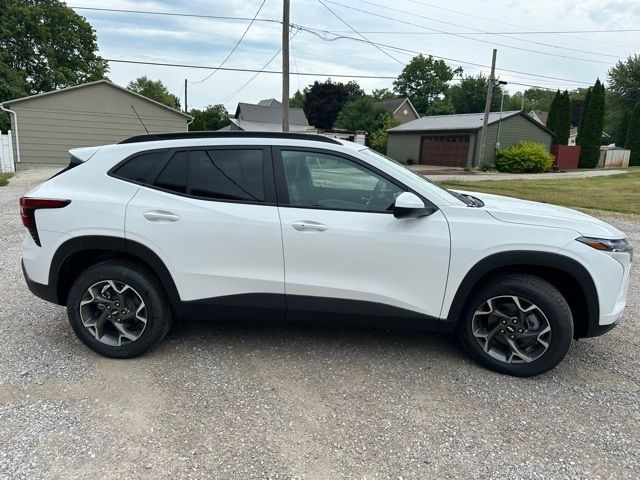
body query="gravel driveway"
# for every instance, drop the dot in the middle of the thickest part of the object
(221, 400)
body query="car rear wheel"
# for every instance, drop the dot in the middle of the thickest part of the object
(118, 309)
(520, 325)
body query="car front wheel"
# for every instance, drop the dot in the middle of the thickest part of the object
(520, 325)
(118, 309)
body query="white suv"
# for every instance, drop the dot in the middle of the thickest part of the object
(303, 227)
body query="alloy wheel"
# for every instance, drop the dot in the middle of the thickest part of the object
(113, 312)
(511, 329)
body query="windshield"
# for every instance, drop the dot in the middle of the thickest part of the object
(378, 156)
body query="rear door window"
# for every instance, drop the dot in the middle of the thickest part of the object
(174, 175)
(227, 174)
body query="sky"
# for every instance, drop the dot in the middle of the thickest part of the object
(464, 32)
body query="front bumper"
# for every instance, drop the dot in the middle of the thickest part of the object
(45, 292)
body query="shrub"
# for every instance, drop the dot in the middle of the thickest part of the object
(524, 157)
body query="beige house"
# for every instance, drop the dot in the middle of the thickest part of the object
(401, 108)
(48, 125)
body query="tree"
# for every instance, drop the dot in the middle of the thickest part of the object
(360, 114)
(633, 136)
(298, 98)
(624, 78)
(622, 129)
(323, 101)
(623, 91)
(50, 44)
(383, 94)
(424, 80)
(155, 90)
(214, 117)
(559, 119)
(440, 106)
(591, 126)
(12, 85)
(378, 139)
(469, 96)
(538, 99)
(552, 117)
(563, 124)
(354, 91)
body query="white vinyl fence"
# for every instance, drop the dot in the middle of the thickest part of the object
(6, 153)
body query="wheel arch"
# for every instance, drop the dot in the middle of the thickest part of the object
(566, 274)
(79, 253)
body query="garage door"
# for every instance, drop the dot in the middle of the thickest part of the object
(448, 150)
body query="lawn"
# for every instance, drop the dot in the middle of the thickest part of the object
(4, 178)
(615, 193)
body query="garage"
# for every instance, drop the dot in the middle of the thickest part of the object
(449, 150)
(454, 140)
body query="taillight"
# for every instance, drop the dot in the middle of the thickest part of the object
(28, 207)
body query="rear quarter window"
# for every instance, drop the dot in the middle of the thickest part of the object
(141, 168)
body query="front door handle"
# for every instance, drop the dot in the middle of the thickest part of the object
(309, 226)
(161, 216)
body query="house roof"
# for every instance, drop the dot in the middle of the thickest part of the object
(542, 116)
(269, 102)
(465, 121)
(92, 84)
(250, 126)
(269, 114)
(394, 104)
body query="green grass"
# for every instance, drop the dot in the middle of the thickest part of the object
(614, 193)
(4, 178)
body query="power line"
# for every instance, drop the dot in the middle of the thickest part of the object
(508, 32)
(258, 72)
(359, 34)
(235, 46)
(310, 30)
(204, 67)
(521, 26)
(171, 14)
(295, 61)
(248, 19)
(448, 59)
(535, 42)
(456, 35)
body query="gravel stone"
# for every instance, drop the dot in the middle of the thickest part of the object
(233, 400)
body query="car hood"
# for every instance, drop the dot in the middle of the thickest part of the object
(514, 210)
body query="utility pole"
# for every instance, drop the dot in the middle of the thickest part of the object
(487, 109)
(186, 110)
(285, 65)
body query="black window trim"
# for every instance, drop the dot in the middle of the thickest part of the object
(283, 192)
(268, 175)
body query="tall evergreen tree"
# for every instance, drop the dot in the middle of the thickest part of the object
(552, 117)
(622, 128)
(633, 136)
(591, 126)
(563, 119)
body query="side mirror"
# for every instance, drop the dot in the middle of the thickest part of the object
(409, 205)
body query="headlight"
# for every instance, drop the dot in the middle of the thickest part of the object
(606, 245)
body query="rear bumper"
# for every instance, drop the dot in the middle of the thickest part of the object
(45, 292)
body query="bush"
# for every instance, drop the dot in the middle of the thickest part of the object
(524, 157)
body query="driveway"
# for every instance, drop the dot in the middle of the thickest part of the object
(237, 401)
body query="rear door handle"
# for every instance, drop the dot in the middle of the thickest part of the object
(309, 226)
(161, 216)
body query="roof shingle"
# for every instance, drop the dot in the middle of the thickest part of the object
(466, 121)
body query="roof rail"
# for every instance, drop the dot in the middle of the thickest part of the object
(152, 137)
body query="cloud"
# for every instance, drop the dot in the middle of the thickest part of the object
(202, 41)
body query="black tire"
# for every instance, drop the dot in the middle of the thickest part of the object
(531, 289)
(145, 283)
